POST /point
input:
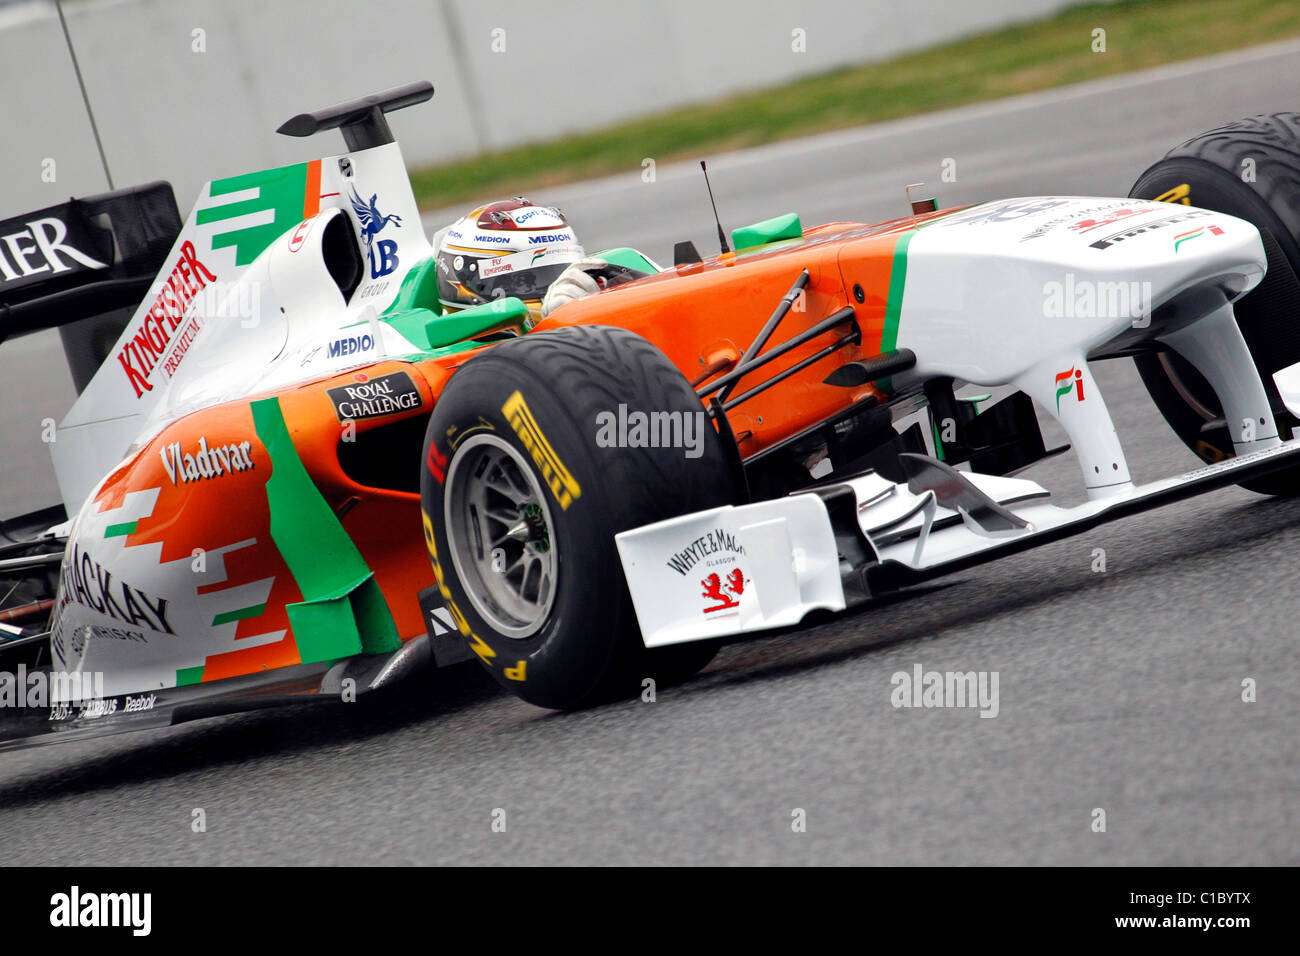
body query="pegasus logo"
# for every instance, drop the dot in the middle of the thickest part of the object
(382, 253)
(371, 219)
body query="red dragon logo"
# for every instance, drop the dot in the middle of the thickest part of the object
(714, 590)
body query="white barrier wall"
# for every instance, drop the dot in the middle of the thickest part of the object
(188, 90)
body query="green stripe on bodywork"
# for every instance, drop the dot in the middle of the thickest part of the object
(478, 320)
(419, 289)
(627, 258)
(769, 247)
(768, 231)
(415, 304)
(119, 530)
(898, 278)
(189, 675)
(280, 191)
(410, 325)
(225, 617)
(343, 612)
(894, 302)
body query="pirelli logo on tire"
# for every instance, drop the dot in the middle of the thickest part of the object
(1178, 194)
(562, 484)
(476, 643)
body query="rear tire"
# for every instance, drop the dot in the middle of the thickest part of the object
(511, 445)
(1207, 171)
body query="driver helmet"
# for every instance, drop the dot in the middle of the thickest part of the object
(506, 248)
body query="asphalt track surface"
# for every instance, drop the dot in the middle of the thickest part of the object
(1118, 690)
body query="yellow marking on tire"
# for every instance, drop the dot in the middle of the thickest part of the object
(455, 436)
(428, 539)
(1179, 193)
(557, 477)
(485, 653)
(516, 672)
(476, 643)
(1209, 452)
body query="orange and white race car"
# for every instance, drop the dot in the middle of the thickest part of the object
(291, 473)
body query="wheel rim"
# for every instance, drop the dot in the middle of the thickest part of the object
(500, 535)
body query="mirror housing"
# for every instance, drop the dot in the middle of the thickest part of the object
(498, 316)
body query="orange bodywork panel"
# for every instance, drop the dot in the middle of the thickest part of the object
(699, 314)
(229, 515)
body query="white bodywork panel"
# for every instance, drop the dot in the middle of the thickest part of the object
(224, 328)
(1019, 292)
(731, 570)
(995, 290)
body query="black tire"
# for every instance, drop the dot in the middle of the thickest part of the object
(1207, 171)
(585, 646)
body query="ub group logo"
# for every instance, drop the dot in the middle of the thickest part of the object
(382, 253)
(371, 219)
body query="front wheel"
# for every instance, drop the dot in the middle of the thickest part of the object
(1249, 169)
(525, 484)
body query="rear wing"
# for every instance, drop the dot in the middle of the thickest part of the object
(83, 266)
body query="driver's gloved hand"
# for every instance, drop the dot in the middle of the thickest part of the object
(573, 283)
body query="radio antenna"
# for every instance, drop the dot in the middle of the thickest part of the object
(76, 67)
(722, 236)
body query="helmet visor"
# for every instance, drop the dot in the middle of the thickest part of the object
(525, 275)
(525, 284)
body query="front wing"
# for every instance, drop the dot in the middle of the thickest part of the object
(730, 571)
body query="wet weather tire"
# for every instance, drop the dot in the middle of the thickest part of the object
(1249, 169)
(521, 507)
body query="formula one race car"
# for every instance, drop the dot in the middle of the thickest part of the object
(687, 457)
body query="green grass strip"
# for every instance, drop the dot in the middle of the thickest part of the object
(1034, 56)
